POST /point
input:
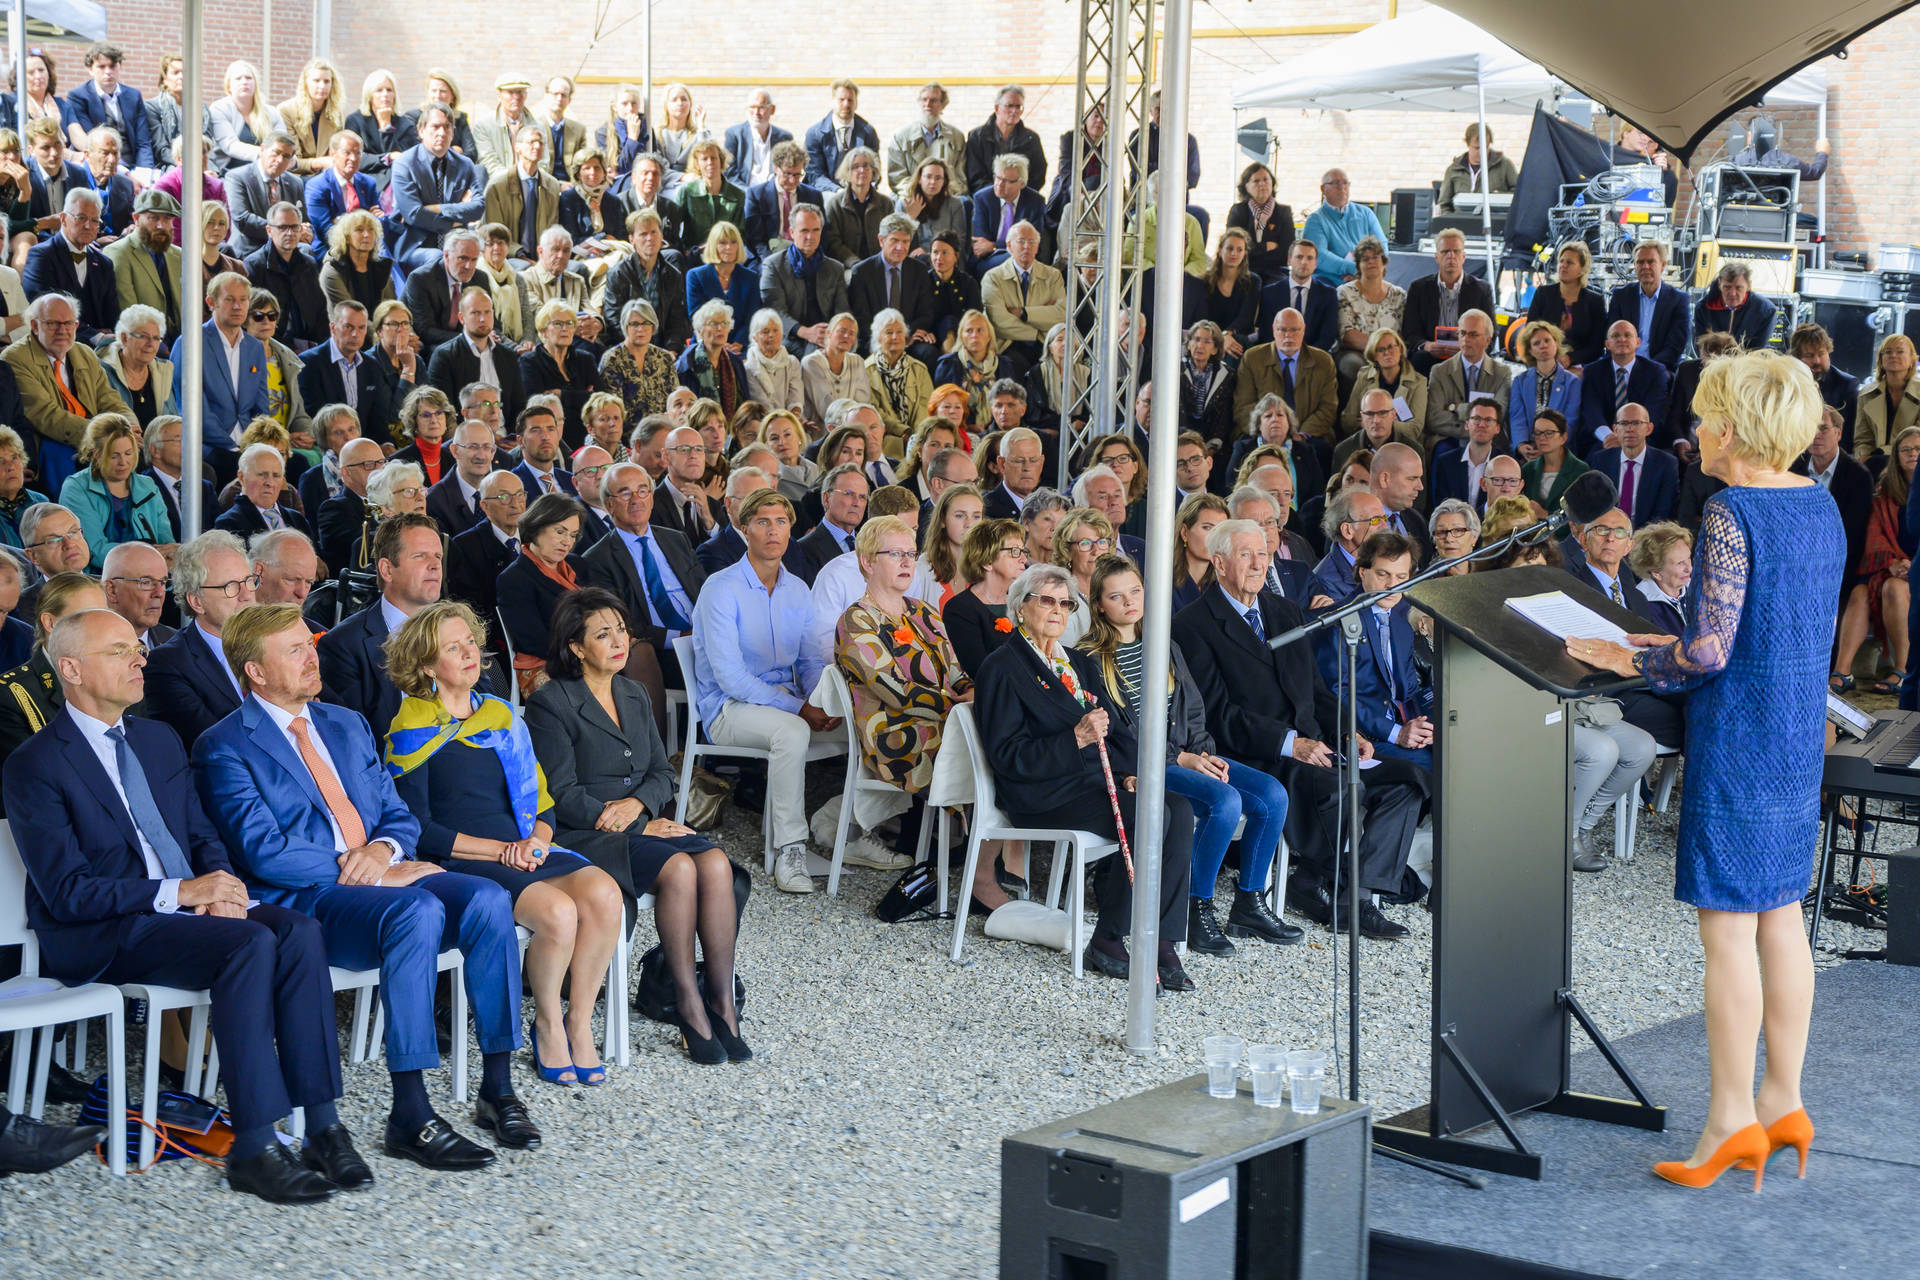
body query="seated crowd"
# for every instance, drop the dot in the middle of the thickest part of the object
(499, 408)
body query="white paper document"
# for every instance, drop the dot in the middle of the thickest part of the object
(1559, 613)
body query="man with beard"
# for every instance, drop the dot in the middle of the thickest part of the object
(146, 264)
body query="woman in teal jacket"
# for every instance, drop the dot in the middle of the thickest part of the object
(113, 502)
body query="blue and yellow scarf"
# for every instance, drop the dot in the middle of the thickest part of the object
(422, 727)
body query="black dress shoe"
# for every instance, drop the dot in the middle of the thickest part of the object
(1250, 918)
(28, 1146)
(330, 1154)
(436, 1146)
(1373, 924)
(277, 1176)
(1172, 976)
(507, 1120)
(1316, 904)
(1106, 963)
(1203, 931)
(737, 1049)
(64, 1087)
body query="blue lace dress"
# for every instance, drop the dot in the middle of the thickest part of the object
(1753, 664)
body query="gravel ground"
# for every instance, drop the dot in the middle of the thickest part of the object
(863, 1139)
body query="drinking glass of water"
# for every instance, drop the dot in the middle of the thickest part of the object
(1268, 1063)
(1222, 1055)
(1306, 1074)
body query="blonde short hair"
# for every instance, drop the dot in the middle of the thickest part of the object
(867, 541)
(411, 649)
(1769, 402)
(722, 233)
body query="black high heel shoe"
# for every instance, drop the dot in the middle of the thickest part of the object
(736, 1048)
(1010, 884)
(705, 1050)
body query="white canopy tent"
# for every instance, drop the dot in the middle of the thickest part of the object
(1434, 60)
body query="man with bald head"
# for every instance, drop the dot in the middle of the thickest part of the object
(134, 578)
(1398, 479)
(1301, 375)
(1352, 514)
(30, 696)
(1274, 480)
(345, 517)
(1502, 480)
(477, 557)
(680, 499)
(590, 463)
(1624, 377)
(454, 500)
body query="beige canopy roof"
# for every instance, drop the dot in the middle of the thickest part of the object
(1677, 69)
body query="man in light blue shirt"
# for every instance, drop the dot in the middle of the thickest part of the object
(753, 674)
(1338, 225)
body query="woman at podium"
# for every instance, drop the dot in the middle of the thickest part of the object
(1752, 664)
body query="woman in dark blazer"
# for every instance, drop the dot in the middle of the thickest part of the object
(1040, 722)
(1572, 306)
(562, 367)
(1268, 223)
(529, 589)
(611, 784)
(993, 555)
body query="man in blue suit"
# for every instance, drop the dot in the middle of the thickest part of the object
(769, 205)
(841, 131)
(233, 374)
(325, 369)
(1460, 465)
(409, 559)
(997, 209)
(128, 882)
(751, 142)
(52, 268)
(104, 100)
(1656, 310)
(1648, 479)
(326, 191)
(1301, 290)
(299, 794)
(1352, 516)
(1394, 704)
(189, 685)
(435, 189)
(1610, 385)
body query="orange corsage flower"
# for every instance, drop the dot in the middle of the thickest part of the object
(1003, 624)
(903, 635)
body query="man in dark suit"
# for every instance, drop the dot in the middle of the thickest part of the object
(1811, 345)
(1850, 483)
(344, 518)
(1438, 301)
(843, 494)
(30, 694)
(325, 369)
(1003, 133)
(770, 205)
(1395, 704)
(893, 278)
(1313, 299)
(54, 266)
(105, 175)
(1399, 477)
(430, 294)
(1022, 461)
(288, 272)
(1622, 378)
(435, 189)
(476, 350)
(189, 685)
(258, 508)
(679, 501)
(1647, 479)
(1604, 543)
(306, 808)
(754, 137)
(128, 883)
(253, 189)
(50, 176)
(161, 447)
(843, 129)
(1291, 578)
(995, 211)
(1460, 465)
(1269, 708)
(589, 465)
(805, 303)
(645, 273)
(539, 468)
(476, 557)
(651, 569)
(1350, 516)
(104, 100)
(454, 502)
(1656, 310)
(408, 557)
(134, 579)
(1731, 306)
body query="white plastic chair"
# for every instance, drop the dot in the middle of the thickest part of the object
(694, 749)
(1626, 810)
(30, 1002)
(836, 699)
(506, 645)
(164, 1000)
(989, 823)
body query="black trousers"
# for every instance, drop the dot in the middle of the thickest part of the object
(272, 1014)
(1392, 794)
(1088, 809)
(1664, 719)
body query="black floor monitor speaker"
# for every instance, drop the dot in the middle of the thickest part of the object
(1854, 333)
(1412, 207)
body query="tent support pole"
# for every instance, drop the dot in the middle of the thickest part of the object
(1486, 186)
(190, 290)
(20, 65)
(1820, 250)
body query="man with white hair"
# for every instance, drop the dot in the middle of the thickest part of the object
(1273, 479)
(62, 384)
(189, 684)
(1437, 304)
(134, 578)
(1291, 580)
(432, 295)
(71, 262)
(928, 137)
(751, 142)
(1352, 514)
(1009, 201)
(1473, 373)
(286, 566)
(1338, 225)
(1100, 489)
(263, 477)
(894, 279)
(649, 566)
(1023, 296)
(550, 279)
(1022, 458)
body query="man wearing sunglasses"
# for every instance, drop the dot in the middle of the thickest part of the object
(189, 684)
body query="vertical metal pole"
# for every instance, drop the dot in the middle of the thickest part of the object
(1110, 294)
(20, 70)
(1486, 188)
(646, 77)
(1169, 252)
(266, 61)
(1821, 255)
(192, 166)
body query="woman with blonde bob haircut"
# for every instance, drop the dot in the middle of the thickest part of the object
(1752, 664)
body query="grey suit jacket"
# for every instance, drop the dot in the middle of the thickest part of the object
(247, 202)
(1447, 394)
(783, 291)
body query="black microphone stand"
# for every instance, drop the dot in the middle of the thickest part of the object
(1348, 617)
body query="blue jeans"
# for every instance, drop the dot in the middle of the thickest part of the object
(1217, 806)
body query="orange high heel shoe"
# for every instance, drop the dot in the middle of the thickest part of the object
(1794, 1130)
(1747, 1147)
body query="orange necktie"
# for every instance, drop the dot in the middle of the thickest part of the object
(352, 830)
(67, 397)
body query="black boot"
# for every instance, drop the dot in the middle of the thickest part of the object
(1250, 918)
(1203, 931)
